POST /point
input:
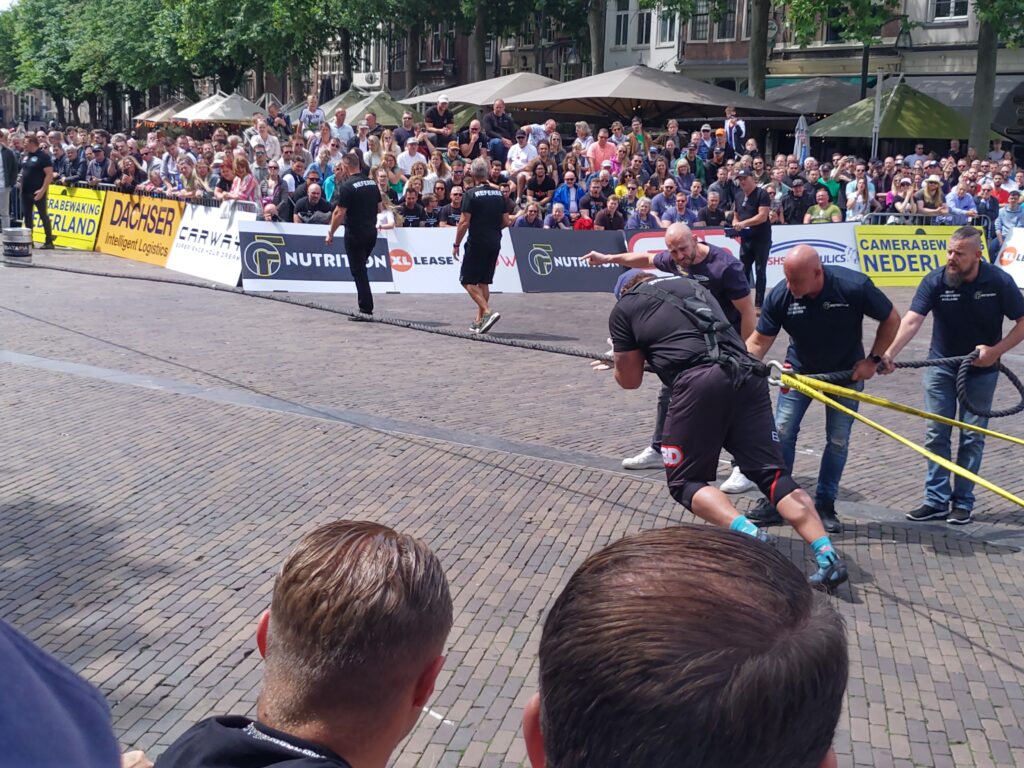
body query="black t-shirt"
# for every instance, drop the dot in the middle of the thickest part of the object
(234, 741)
(746, 208)
(825, 332)
(401, 136)
(715, 218)
(33, 170)
(438, 120)
(668, 339)
(541, 189)
(450, 215)
(593, 204)
(431, 218)
(970, 315)
(720, 272)
(304, 209)
(609, 220)
(412, 217)
(487, 207)
(474, 151)
(360, 197)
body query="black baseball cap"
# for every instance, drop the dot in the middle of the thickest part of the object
(744, 174)
(798, 182)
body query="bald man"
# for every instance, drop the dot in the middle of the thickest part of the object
(718, 271)
(822, 308)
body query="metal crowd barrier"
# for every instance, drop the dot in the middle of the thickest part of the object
(207, 201)
(916, 219)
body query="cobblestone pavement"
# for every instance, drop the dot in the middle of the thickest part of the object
(164, 446)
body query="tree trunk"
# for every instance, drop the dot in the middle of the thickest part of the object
(136, 99)
(595, 18)
(984, 87)
(295, 80)
(757, 59)
(345, 43)
(412, 58)
(115, 120)
(94, 117)
(153, 97)
(62, 116)
(477, 44)
(260, 76)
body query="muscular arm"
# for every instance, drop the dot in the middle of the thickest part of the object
(633, 260)
(748, 315)
(758, 344)
(759, 218)
(629, 369)
(1008, 342)
(909, 326)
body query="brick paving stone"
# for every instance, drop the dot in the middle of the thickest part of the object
(143, 524)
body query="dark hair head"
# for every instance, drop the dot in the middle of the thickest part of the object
(690, 646)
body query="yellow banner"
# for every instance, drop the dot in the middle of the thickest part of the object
(74, 217)
(140, 228)
(898, 255)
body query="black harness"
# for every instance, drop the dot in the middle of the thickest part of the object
(725, 348)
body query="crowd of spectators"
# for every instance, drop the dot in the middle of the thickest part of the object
(614, 177)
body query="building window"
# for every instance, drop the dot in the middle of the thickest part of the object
(747, 21)
(726, 29)
(700, 21)
(643, 28)
(435, 44)
(449, 45)
(424, 40)
(666, 28)
(489, 50)
(834, 26)
(949, 9)
(621, 23)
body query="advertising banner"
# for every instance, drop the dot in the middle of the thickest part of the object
(294, 257)
(551, 260)
(1011, 258)
(207, 244)
(835, 243)
(894, 255)
(422, 262)
(74, 217)
(139, 228)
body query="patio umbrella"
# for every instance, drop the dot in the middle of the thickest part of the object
(233, 109)
(162, 113)
(802, 143)
(486, 92)
(815, 96)
(906, 114)
(389, 112)
(638, 90)
(188, 113)
(346, 99)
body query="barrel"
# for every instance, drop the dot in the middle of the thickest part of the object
(17, 245)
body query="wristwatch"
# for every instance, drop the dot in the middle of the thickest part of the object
(876, 359)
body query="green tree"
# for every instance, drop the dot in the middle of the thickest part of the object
(999, 21)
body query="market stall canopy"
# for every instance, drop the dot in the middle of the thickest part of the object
(815, 96)
(163, 113)
(188, 113)
(906, 114)
(346, 100)
(486, 92)
(233, 109)
(389, 112)
(638, 90)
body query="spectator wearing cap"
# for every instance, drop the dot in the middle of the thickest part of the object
(796, 204)
(722, 143)
(361, 140)
(718, 160)
(706, 143)
(410, 156)
(452, 152)
(1011, 215)
(696, 163)
(930, 201)
(901, 199)
(499, 131)
(100, 170)
(260, 164)
(988, 207)
(961, 205)
(439, 121)
(735, 129)
(519, 159)
(569, 194)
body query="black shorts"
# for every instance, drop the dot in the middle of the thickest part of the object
(706, 414)
(478, 265)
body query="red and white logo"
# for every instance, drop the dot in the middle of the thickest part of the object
(401, 261)
(672, 455)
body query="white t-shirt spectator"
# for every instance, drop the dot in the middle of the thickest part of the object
(312, 121)
(520, 157)
(406, 162)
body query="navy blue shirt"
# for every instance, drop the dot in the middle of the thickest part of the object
(969, 315)
(721, 273)
(825, 333)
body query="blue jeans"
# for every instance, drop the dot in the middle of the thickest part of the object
(940, 398)
(790, 412)
(497, 150)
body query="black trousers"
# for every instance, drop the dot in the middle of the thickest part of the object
(755, 253)
(358, 253)
(27, 203)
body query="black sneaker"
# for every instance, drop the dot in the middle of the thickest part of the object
(362, 317)
(46, 247)
(764, 514)
(924, 512)
(827, 512)
(960, 516)
(831, 576)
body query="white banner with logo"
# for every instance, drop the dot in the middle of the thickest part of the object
(422, 262)
(835, 243)
(207, 244)
(1011, 258)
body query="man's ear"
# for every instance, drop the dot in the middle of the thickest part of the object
(262, 627)
(531, 732)
(426, 683)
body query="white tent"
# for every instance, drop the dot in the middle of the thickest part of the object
(234, 109)
(187, 114)
(486, 92)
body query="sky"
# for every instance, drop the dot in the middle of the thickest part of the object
(5, 4)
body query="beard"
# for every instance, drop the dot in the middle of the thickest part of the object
(952, 279)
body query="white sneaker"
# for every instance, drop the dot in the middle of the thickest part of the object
(737, 482)
(648, 458)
